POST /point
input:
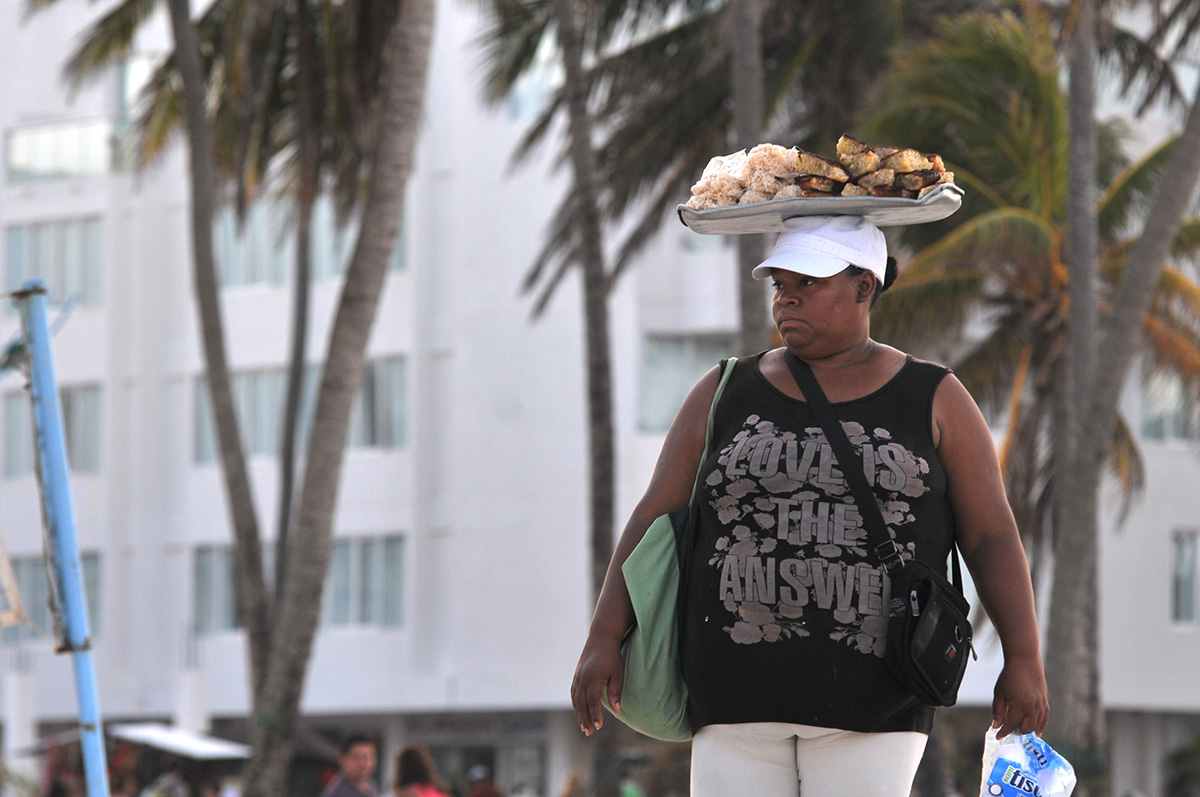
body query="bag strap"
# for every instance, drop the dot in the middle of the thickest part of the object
(726, 372)
(868, 505)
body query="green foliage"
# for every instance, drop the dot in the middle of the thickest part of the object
(1183, 770)
(661, 96)
(249, 52)
(985, 93)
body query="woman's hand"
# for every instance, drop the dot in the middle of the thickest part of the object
(991, 547)
(1020, 702)
(600, 668)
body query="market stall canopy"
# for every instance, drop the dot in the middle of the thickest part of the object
(180, 742)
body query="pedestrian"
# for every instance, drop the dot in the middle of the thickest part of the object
(356, 766)
(416, 774)
(786, 603)
(574, 786)
(480, 778)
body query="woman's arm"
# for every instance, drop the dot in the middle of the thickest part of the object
(600, 666)
(991, 546)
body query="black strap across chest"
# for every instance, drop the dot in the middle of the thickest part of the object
(877, 533)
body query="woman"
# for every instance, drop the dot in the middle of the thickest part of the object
(786, 603)
(416, 774)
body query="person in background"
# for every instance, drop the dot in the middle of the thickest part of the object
(171, 783)
(416, 774)
(357, 764)
(574, 786)
(481, 782)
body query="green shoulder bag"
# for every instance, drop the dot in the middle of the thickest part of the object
(654, 696)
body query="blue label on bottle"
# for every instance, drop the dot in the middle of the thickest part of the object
(1009, 780)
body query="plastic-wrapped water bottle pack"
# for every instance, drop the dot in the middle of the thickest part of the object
(1020, 765)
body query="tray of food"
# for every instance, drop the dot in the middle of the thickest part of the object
(755, 192)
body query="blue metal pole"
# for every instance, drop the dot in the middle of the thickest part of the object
(60, 523)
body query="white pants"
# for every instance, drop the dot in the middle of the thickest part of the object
(777, 759)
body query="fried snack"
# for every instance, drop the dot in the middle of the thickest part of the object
(857, 157)
(767, 168)
(905, 160)
(811, 182)
(762, 182)
(808, 163)
(718, 187)
(946, 177)
(771, 158)
(848, 145)
(915, 181)
(881, 178)
(769, 171)
(754, 196)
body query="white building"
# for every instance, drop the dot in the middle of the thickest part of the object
(459, 593)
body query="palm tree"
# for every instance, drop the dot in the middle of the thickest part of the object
(661, 86)
(595, 300)
(375, 59)
(986, 95)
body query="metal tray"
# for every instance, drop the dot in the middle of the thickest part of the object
(882, 211)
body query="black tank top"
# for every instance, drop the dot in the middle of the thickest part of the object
(787, 604)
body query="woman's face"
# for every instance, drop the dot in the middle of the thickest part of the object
(819, 316)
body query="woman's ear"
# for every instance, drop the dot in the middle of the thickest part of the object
(864, 286)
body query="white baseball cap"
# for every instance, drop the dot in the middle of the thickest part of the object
(821, 246)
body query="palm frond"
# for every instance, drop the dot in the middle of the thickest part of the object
(1173, 347)
(1126, 466)
(1006, 241)
(989, 365)
(161, 113)
(108, 39)
(1129, 194)
(1145, 75)
(510, 42)
(927, 309)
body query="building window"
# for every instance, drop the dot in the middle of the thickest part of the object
(671, 365)
(30, 575)
(67, 255)
(332, 242)
(261, 249)
(378, 418)
(256, 251)
(61, 149)
(82, 420)
(214, 590)
(18, 435)
(1170, 411)
(365, 586)
(532, 90)
(81, 413)
(1185, 588)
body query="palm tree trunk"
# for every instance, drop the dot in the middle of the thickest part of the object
(272, 729)
(1081, 207)
(309, 156)
(1072, 669)
(744, 43)
(595, 312)
(595, 293)
(252, 594)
